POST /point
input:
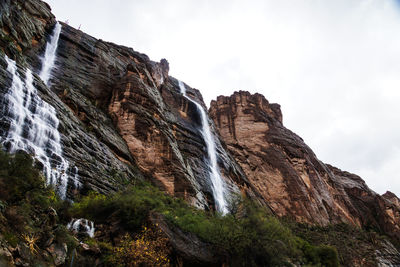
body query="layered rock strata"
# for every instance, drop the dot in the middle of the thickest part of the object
(121, 115)
(288, 176)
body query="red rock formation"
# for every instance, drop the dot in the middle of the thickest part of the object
(287, 175)
(159, 128)
(392, 198)
(121, 115)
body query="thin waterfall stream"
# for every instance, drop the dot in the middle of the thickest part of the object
(218, 185)
(49, 58)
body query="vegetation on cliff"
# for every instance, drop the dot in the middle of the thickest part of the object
(249, 237)
(33, 219)
(30, 228)
(356, 247)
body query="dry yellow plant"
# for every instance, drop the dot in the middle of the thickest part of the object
(149, 248)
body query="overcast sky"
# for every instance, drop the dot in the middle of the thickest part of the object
(334, 66)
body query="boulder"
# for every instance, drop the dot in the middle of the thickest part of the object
(58, 253)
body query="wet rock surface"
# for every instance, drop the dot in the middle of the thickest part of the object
(81, 147)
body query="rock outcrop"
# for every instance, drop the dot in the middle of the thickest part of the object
(288, 176)
(23, 25)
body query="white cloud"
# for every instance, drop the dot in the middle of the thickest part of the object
(333, 65)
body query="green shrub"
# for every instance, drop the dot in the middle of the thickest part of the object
(63, 235)
(322, 255)
(130, 207)
(328, 255)
(11, 238)
(18, 176)
(250, 236)
(29, 207)
(253, 238)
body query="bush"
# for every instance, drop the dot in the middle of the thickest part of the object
(328, 255)
(254, 239)
(351, 243)
(251, 238)
(130, 207)
(148, 248)
(63, 235)
(18, 176)
(29, 207)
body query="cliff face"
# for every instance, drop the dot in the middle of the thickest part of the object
(23, 25)
(288, 176)
(123, 117)
(151, 124)
(30, 24)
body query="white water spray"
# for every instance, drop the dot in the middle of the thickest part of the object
(76, 177)
(34, 128)
(49, 58)
(82, 226)
(218, 186)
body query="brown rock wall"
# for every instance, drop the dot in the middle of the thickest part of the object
(288, 176)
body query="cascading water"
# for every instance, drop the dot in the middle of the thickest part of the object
(82, 226)
(76, 177)
(49, 57)
(33, 122)
(218, 186)
(34, 128)
(48, 64)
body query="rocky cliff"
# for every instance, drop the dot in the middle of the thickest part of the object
(122, 118)
(26, 27)
(120, 113)
(289, 177)
(153, 126)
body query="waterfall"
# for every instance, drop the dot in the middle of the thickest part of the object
(215, 175)
(48, 64)
(76, 177)
(82, 226)
(33, 122)
(49, 57)
(34, 128)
